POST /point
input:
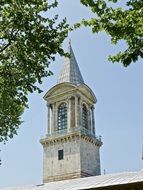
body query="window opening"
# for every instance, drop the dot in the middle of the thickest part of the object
(60, 154)
(84, 117)
(62, 116)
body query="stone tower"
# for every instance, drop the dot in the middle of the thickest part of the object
(71, 148)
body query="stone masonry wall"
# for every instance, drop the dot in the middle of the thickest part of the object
(69, 167)
(90, 160)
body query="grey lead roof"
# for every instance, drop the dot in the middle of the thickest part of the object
(70, 71)
(87, 182)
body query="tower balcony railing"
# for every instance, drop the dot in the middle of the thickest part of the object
(82, 130)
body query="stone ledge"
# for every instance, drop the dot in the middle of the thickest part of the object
(70, 137)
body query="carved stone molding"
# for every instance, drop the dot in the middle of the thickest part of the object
(71, 137)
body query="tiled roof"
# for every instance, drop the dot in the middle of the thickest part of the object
(70, 71)
(88, 182)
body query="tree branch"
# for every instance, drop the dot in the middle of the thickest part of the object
(9, 43)
(13, 37)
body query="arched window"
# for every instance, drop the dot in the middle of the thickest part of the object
(62, 116)
(84, 116)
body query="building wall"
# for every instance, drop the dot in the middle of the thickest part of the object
(81, 157)
(69, 167)
(90, 159)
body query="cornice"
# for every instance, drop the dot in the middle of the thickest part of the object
(49, 140)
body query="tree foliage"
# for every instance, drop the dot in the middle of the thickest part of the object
(28, 41)
(121, 23)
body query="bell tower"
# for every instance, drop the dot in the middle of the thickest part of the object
(71, 147)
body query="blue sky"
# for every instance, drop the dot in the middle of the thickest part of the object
(118, 112)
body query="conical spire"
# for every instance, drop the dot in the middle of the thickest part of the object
(70, 71)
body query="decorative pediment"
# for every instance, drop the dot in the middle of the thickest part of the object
(60, 89)
(65, 89)
(84, 89)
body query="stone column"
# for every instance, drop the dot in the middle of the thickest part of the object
(76, 111)
(48, 119)
(80, 111)
(53, 119)
(93, 121)
(69, 115)
(90, 120)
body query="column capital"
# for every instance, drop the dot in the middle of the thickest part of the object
(49, 104)
(77, 95)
